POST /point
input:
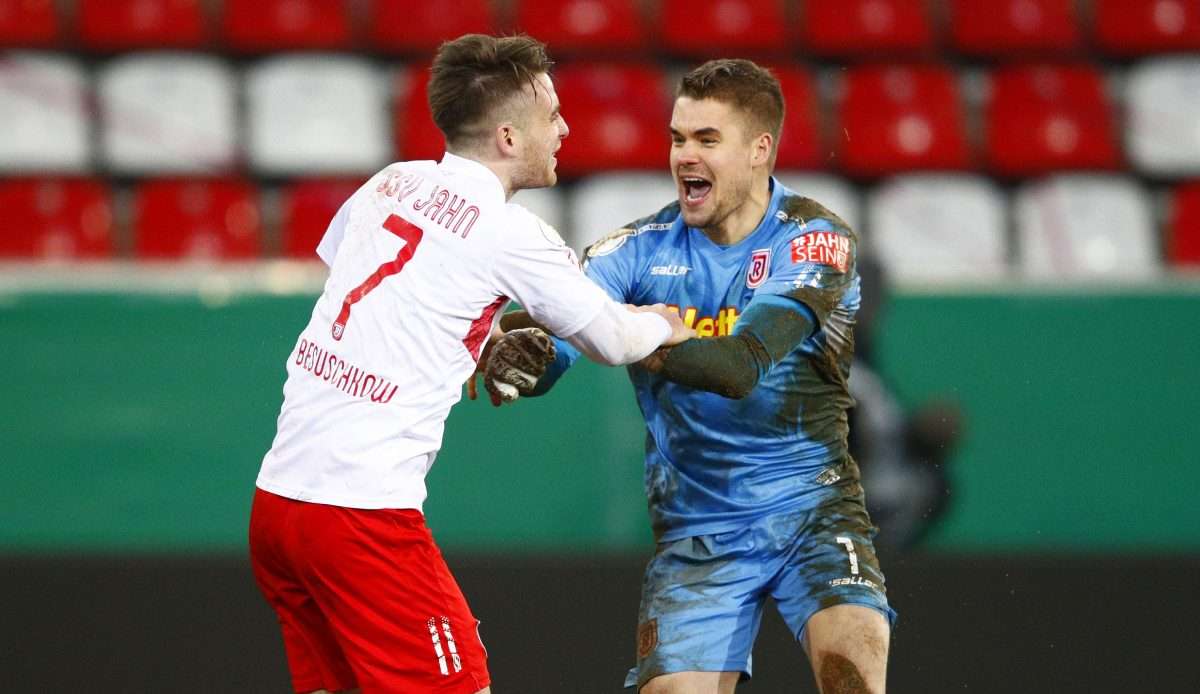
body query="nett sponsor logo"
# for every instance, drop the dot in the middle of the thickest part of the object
(719, 325)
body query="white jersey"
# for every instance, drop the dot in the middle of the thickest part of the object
(423, 259)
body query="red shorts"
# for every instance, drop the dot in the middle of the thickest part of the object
(364, 598)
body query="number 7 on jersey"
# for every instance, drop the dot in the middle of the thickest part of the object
(411, 235)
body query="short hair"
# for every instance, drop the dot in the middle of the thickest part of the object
(474, 74)
(751, 89)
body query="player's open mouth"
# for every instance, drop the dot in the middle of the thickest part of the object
(695, 189)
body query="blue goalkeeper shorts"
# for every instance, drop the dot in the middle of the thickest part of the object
(703, 597)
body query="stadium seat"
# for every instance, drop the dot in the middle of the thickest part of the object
(726, 28)
(403, 26)
(546, 203)
(43, 108)
(417, 137)
(1011, 27)
(604, 203)
(196, 220)
(931, 228)
(1139, 27)
(55, 219)
(848, 28)
(121, 25)
(28, 23)
(168, 113)
(307, 207)
(618, 116)
(895, 119)
(801, 145)
(1162, 102)
(1183, 227)
(838, 196)
(273, 25)
(1044, 118)
(577, 27)
(316, 114)
(1078, 227)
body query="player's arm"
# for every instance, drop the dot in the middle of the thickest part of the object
(771, 327)
(528, 361)
(611, 272)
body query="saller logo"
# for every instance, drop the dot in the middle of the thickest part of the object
(822, 248)
(760, 264)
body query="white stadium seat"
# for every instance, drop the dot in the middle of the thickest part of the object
(546, 203)
(317, 114)
(604, 203)
(838, 196)
(168, 114)
(1076, 227)
(43, 113)
(930, 228)
(1163, 127)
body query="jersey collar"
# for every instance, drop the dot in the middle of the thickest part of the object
(480, 175)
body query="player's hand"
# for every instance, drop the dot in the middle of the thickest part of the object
(515, 364)
(654, 361)
(493, 338)
(679, 331)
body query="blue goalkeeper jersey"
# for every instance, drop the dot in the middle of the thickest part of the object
(713, 463)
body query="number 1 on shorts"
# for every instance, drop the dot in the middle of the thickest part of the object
(411, 234)
(849, 545)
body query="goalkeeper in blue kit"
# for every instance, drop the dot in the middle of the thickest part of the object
(751, 490)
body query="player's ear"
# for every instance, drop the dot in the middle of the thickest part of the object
(761, 151)
(506, 138)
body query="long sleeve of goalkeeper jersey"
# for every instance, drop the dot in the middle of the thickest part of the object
(771, 327)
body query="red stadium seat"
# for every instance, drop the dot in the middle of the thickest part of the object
(1138, 27)
(999, 27)
(55, 219)
(800, 143)
(28, 23)
(114, 25)
(270, 25)
(866, 27)
(899, 118)
(420, 27)
(584, 26)
(618, 117)
(196, 219)
(729, 28)
(307, 208)
(1183, 228)
(1043, 118)
(417, 137)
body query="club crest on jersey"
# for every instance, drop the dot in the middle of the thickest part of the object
(760, 266)
(822, 248)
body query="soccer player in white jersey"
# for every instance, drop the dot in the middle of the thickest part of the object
(423, 259)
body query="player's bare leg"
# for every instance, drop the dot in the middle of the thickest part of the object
(848, 648)
(692, 683)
